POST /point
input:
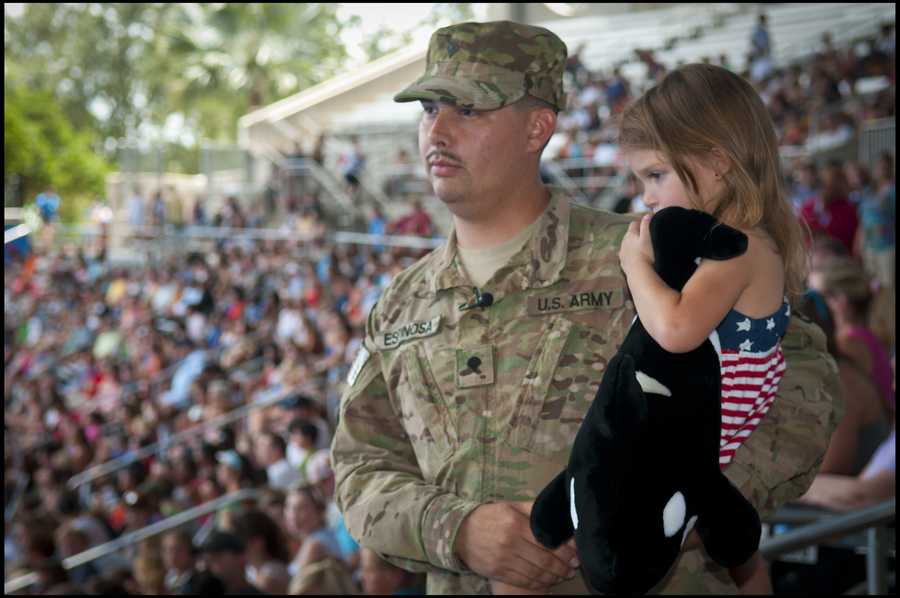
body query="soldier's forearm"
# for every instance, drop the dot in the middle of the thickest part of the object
(400, 515)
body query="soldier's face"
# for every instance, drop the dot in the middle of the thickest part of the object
(472, 155)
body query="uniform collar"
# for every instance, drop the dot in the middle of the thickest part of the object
(538, 264)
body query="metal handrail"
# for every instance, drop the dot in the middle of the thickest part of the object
(92, 554)
(830, 527)
(221, 232)
(558, 172)
(113, 465)
(322, 176)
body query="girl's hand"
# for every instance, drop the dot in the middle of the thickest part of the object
(636, 246)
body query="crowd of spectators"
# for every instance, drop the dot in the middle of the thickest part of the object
(100, 359)
(817, 105)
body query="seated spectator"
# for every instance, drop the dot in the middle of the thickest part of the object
(225, 557)
(848, 294)
(271, 453)
(417, 222)
(875, 484)
(178, 558)
(308, 409)
(265, 545)
(805, 185)
(883, 316)
(149, 569)
(303, 438)
(305, 522)
(831, 213)
(866, 421)
(271, 502)
(202, 583)
(273, 578)
(877, 210)
(72, 541)
(325, 576)
(322, 477)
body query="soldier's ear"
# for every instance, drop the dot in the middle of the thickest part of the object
(540, 127)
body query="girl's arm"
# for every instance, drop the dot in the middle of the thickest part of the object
(680, 321)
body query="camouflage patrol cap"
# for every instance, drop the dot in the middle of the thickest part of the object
(486, 66)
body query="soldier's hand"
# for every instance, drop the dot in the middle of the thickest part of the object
(495, 541)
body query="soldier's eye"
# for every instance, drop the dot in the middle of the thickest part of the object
(467, 112)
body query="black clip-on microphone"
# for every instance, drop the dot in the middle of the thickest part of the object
(482, 300)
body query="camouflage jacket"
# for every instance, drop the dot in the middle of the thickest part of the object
(447, 409)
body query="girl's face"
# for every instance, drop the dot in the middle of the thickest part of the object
(663, 188)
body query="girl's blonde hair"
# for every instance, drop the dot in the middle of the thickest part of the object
(700, 109)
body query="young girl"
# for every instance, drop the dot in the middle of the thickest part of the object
(703, 139)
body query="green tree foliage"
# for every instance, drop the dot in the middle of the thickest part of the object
(385, 41)
(234, 57)
(91, 56)
(124, 69)
(42, 148)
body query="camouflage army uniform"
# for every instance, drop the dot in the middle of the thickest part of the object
(448, 409)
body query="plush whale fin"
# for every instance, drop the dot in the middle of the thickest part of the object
(551, 521)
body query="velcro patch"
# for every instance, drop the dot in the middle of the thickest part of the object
(597, 294)
(361, 358)
(407, 332)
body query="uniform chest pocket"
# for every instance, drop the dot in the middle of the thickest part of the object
(425, 416)
(559, 386)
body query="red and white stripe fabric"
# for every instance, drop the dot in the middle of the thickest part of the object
(749, 383)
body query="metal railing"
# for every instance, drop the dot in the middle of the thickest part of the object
(876, 137)
(821, 526)
(92, 554)
(562, 178)
(162, 234)
(826, 526)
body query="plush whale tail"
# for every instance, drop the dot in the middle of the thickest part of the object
(728, 524)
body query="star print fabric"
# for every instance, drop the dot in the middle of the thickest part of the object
(752, 365)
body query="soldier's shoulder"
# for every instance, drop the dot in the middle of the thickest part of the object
(594, 230)
(586, 216)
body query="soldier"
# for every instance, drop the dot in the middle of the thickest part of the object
(462, 405)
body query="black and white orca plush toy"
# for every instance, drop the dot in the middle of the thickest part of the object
(644, 467)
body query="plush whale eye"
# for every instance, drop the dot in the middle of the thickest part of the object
(673, 514)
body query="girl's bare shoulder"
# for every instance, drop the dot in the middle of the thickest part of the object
(766, 290)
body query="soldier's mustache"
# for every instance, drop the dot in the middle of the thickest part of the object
(430, 157)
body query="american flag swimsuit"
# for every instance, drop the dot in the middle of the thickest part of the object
(752, 365)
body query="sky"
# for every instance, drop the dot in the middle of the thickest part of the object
(400, 17)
